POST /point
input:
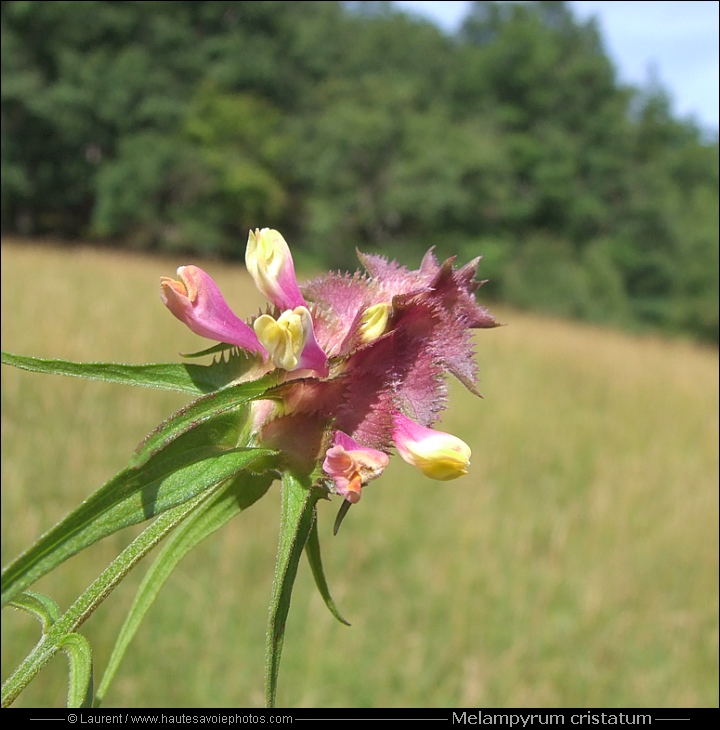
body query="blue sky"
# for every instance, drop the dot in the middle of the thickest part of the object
(679, 40)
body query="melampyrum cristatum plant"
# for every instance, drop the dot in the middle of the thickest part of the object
(315, 393)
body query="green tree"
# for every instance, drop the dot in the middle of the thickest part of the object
(180, 125)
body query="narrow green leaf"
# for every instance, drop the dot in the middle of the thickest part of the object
(220, 347)
(80, 682)
(230, 399)
(344, 509)
(38, 605)
(76, 647)
(100, 589)
(188, 452)
(185, 377)
(134, 496)
(297, 518)
(238, 495)
(312, 550)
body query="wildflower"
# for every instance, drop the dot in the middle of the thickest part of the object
(374, 322)
(352, 466)
(270, 264)
(196, 301)
(438, 455)
(369, 354)
(290, 340)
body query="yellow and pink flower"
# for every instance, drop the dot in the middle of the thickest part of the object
(366, 355)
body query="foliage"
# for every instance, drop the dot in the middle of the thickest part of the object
(180, 125)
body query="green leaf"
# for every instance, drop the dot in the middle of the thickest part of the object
(312, 550)
(38, 605)
(297, 518)
(238, 495)
(220, 347)
(130, 498)
(191, 451)
(185, 377)
(98, 591)
(232, 398)
(76, 647)
(80, 682)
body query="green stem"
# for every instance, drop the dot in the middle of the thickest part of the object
(100, 589)
(297, 518)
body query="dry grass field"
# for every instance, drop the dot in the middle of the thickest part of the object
(576, 565)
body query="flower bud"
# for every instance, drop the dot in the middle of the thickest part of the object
(438, 455)
(196, 301)
(352, 465)
(374, 322)
(270, 264)
(290, 340)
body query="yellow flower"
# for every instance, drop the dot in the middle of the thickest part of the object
(270, 263)
(437, 454)
(374, 322)
(290, 340)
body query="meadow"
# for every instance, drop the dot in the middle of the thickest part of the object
(576, 565)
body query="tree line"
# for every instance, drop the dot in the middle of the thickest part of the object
(177, 126)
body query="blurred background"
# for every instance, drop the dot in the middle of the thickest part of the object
(177, 127)
(577, 564)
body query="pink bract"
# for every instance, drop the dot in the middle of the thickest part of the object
(372, 372)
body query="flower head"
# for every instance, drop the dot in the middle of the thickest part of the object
(365, 358)
(423, 333)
